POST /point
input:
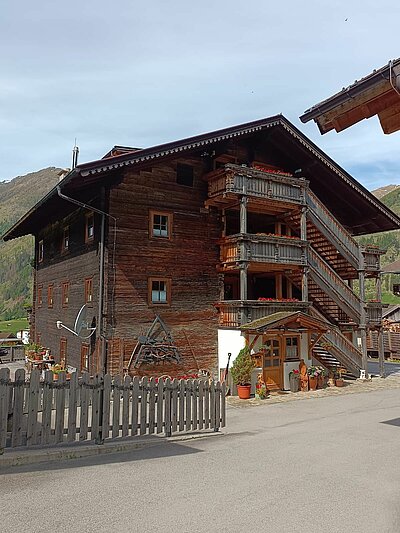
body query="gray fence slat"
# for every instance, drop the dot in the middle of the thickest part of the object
(18, 408)
(125, 406)
(206, 404)
(212, 405)
(174, 405)
(73, 401)
(152, 405)
(181, 406)
(217, 406)
(84, 396)
(4, 386)
(160, 405)
(223, 405)
(95, 422)
(33, 402)
(167, 409)
(195, 386)
(135, 405)
(201, 404)
(60, 407)
(47, 403)
(116, 407)
(143, 406)
(105, 424)
(188, 414)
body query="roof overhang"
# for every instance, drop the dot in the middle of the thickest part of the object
(376, 94)
(285, 320)
(354, 206)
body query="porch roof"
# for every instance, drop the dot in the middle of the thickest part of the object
(282, 319)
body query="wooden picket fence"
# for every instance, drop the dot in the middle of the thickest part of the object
(101, 408)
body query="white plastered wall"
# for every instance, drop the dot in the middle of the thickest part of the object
(229, 341)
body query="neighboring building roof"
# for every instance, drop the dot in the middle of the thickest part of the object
(282, 318)
(375, 94)
(354, 206)
(392, 308)
(392, 267)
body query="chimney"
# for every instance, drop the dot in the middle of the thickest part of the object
(75, 153)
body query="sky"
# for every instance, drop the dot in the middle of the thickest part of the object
(140, 73)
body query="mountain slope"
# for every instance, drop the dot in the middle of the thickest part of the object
(16, 198)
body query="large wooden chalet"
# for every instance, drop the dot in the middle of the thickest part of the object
(208, 233)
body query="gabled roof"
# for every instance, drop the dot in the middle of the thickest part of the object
(375, 94)
(392, 267)
(281, 319)
(354, 206)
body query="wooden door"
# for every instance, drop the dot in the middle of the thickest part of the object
(272, 365)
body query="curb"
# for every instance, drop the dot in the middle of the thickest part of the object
(77, 451)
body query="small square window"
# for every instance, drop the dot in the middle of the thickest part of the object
(88, 290)
(292, 348)
(65, 241)
(50, 295)
(159, 291)
(160, 224)
(65, 293)
(40, 251)
(84, 357)
(184, 175)
(89, 228)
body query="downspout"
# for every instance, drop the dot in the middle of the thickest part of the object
(101, 268)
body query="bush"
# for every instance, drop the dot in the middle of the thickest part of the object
(242, 367)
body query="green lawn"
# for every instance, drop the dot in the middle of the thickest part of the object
(12, 326)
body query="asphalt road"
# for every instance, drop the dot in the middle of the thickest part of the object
(317, 465)
(390, 368)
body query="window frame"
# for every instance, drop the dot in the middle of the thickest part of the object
(85, 353)
(63, 349)
(40, 295)
(292, 358)
(40, 251)
(153, 213)
(50, 295)
(88, 216)
(65, 237)
(167, 282)
(89, 285)
(65, 293)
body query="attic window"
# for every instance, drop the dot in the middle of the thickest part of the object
(40, 252)
(65, 241)
(184, 175)
(89, 229)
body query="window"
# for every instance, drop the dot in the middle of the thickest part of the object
(40, 296)
(40, 251)
(159, 291)
(63, 350)
(39, 338)
(65, 293)
(65, 240)
(89, 227)
(88, 290)
(292, 348)
(50, 295)
(160, 224)
(184, 175)
(84, 357)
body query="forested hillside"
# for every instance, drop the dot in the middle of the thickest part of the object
(16, 198)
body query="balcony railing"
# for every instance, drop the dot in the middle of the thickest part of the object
(374, 312)
(234, 313)
(372, 258)
(263, 249)
(246, 181)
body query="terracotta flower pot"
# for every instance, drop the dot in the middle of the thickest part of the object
(244, 391)
(313, 382)
(339, 382)
(321, 382)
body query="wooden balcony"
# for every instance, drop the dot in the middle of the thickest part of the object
(372, 258)
(234, 313)
(374, 312)
(262, 248)
(226, 184)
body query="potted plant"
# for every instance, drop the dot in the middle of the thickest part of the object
(241, 373)
(294, 380)
(313, 373)
(339, 381)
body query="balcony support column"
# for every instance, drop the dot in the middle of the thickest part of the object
(243, 281)
(378, 288)
(381, 353)
(243, 214)
(304, 285)
(363, 322)
(303, 224)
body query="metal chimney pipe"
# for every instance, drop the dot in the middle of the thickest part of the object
(75, 153)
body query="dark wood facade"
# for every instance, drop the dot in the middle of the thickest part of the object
(209, 232)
